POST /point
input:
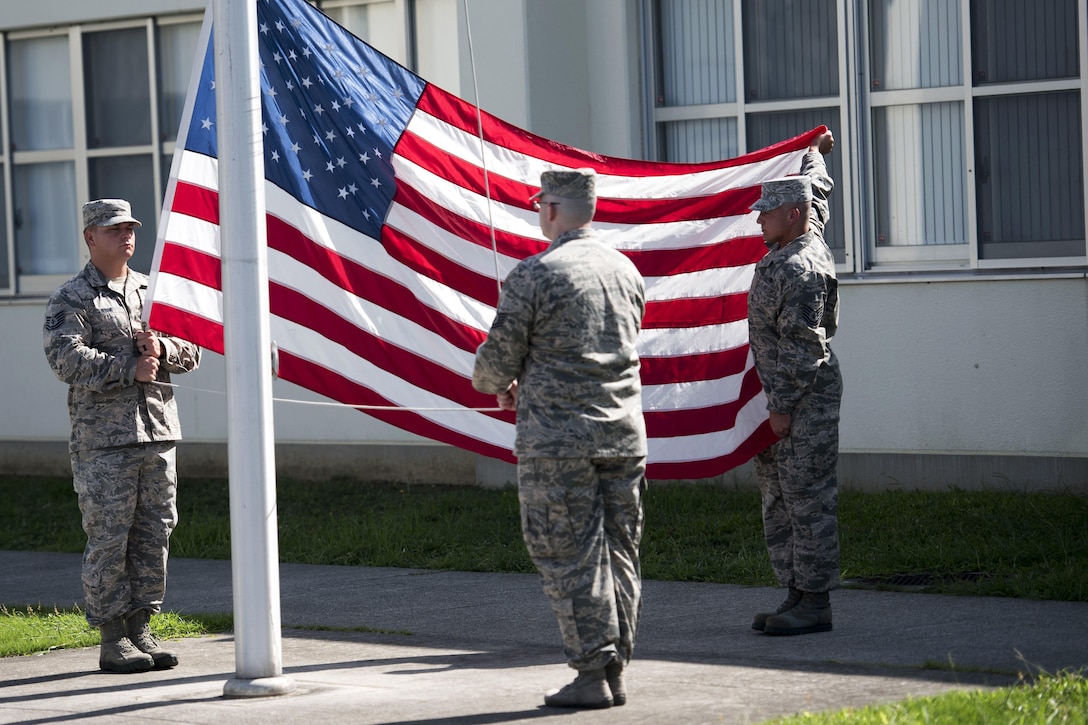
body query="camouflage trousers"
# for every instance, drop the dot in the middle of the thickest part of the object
(582, 523)
(128, 499)
(800, 492)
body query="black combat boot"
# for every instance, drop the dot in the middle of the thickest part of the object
(117, 653)
(811, 614)
(790, 602)
(136, 625)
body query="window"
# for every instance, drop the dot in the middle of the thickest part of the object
(711, 104)
(960, 144)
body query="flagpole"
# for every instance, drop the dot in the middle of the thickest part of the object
(248, 355)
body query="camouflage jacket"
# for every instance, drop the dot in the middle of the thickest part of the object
(793, 305)
(566, 328)
(88, 340)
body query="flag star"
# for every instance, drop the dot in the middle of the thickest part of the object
(363, 71)
(277, 57)
(340, 162)
(295, 147)
(296, 22)
(207, 123)
(366, 214)
(280, 26)
(377, 153)
(275, 155)
(364, 157)
(272, 92)
(383, 122)
(264, 28)
(292, 55)
(398, 93)
(350, 132)
(330, 135)
(335, 106)
(317, 139)
(290, 85)
(329, 167)
(307, 175)
(353, 188)
(283, 120)
(361, 127)
(264, 129)
(375, 183)
(329, 47)
(342, 193)
(372, 97)
(348, 102)
(213, 84)
(307, 82)
(306, 53)
(318, 109)
(338, 74)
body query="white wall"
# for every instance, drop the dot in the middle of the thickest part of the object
(994, 366)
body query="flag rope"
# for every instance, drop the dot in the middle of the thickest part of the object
(483, 146)
(333, 404)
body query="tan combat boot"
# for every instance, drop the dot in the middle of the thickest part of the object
(791, 601)
(811, 614)
(136, 625)
(589, 690)
(117, 653)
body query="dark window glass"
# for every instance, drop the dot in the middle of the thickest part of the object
(791, 49)
(117, 88)
(1030, 183)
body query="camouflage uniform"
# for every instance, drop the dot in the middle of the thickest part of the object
(793, 312)
(123, 438)
(566, 328)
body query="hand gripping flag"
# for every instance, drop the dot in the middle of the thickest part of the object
(394, 209)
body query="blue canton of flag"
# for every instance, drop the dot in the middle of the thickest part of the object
(333, 108)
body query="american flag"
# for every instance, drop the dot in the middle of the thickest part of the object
(394, 209)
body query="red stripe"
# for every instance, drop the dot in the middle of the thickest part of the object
(702, 366)
(196, 201)
(332, 385)
(188, 326)
(191, 264)
(735, 252)
(695, 312)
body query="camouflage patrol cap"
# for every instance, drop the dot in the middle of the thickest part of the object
(786, 190)
(574, 184)
(107, 212)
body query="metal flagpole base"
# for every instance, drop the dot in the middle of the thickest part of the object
(259, 687)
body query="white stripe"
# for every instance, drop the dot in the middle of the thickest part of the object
(705, 446)
(527, 169)
(705, 283)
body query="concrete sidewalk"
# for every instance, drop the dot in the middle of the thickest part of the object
(466, 648)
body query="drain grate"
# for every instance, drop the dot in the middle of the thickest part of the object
(915, 582)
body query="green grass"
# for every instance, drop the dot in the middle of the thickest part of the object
(988, 543)
(1047, 700)
(35, 629)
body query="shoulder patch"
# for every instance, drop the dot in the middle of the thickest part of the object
(499, 321)
(54, 321)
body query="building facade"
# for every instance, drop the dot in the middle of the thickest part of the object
(959, 218)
